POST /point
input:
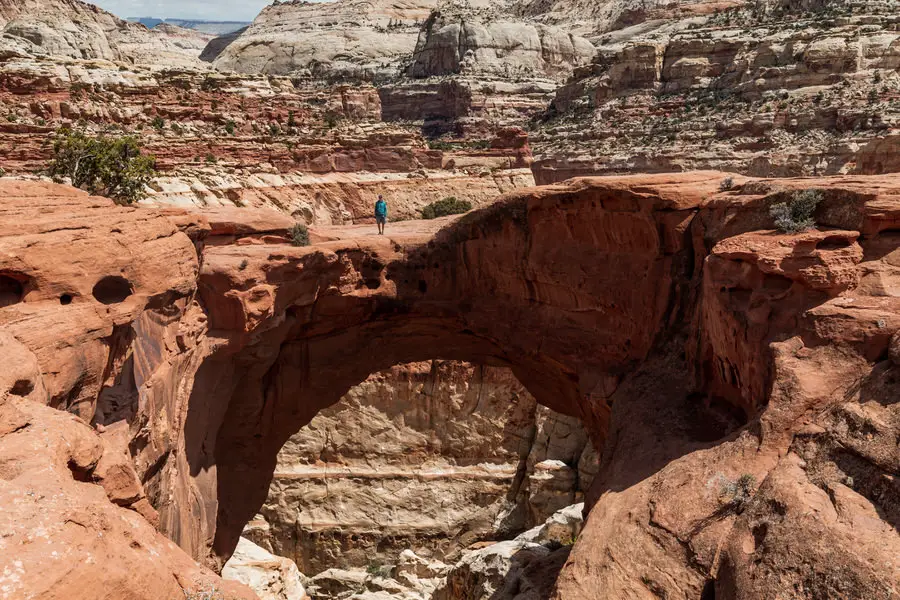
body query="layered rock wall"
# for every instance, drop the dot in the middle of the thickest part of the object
(786, 90)
(320, 154)
(431, 457)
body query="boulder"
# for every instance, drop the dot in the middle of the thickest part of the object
(270, 577)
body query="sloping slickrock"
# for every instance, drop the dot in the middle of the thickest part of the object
(74, 29)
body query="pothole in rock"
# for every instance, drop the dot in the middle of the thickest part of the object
(422, 474)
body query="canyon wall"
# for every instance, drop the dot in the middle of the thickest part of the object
(430, 457)
(770, 89)
(319, 154)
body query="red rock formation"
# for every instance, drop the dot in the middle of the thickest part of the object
(88, 287)
(740, 382)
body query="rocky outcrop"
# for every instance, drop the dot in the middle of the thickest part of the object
(454, 42)
(79, 512)
(350, 38)
(74, 29)
(739, 381)
(455, 454)
(271, 577)
(742, 90)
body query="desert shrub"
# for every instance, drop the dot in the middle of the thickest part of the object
(376, 569)
(739, 493)
(229, 127)
(159, 123)
(300, 235)
(441, 145)
(797, 214)
(107, 166)
(727, 184)
(210, 159)
(446, 207)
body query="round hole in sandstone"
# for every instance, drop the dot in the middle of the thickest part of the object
(112, 290)
(22, 388)
(12, 290)
(66, 299)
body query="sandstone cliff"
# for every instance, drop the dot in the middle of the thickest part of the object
(74, 29)
(348, 38)
(776, 89)
(454, 41)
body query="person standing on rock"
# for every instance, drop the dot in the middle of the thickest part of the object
(381, 214)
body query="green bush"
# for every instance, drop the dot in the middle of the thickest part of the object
(796, 215)
(229, 127)
(446, 207)
(300, 235)
(107, 166)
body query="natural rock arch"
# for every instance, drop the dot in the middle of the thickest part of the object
(568, 310)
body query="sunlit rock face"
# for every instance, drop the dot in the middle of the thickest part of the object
(430, 457)
(769, 89)
(78, 30)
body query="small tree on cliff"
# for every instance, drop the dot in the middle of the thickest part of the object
(797, 215)
(107, 166)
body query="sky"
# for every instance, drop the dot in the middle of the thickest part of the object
(214, 10)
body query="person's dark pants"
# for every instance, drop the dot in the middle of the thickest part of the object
(381, 222)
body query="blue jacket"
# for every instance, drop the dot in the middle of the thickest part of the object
(381, 208)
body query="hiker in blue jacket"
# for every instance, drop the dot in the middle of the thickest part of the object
(381, 213)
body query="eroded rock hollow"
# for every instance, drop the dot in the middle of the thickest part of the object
(738, 383)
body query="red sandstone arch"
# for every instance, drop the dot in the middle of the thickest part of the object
(568, 287)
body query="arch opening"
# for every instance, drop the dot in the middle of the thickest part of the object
(416, 464)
